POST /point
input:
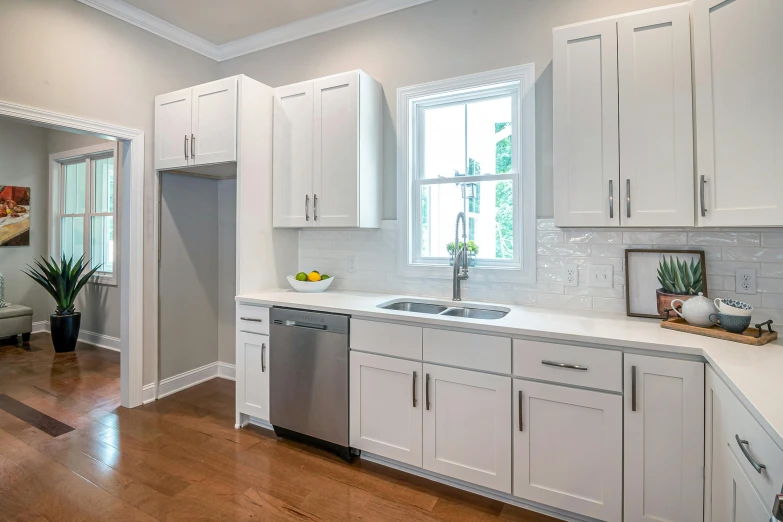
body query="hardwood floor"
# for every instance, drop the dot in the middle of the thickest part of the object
(180, 458)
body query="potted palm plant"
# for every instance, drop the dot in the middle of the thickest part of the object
(63, 281)
(679, 280)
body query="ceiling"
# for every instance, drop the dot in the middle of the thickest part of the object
(228, 20)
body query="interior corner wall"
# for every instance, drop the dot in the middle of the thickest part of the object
(434, 41)
(99, 304)
(23, 162)
(227, 269)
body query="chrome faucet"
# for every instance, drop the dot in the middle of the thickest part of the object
(460, 258)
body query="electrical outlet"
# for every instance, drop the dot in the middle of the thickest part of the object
(746, 281)
(351, 265)
(601, 276)
(570, 275)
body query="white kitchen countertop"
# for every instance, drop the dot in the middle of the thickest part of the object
(754, 373)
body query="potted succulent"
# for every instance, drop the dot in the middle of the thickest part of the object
(473, 251)
(679, 280)
(63, 282)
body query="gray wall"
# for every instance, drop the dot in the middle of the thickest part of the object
(439, 40)
(227, 269)
(99, 304)
(23, 162)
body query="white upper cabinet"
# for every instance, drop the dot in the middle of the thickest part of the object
(197, 126)
(738, 73)
(586, 152)
(172, 129)
(623, 122)
(656, 118)
(327, 165)
(292, 157)
(214, 122)
(663, 439)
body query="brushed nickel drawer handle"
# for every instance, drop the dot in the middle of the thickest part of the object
(742, 445)
(565, 365)
(252, 319)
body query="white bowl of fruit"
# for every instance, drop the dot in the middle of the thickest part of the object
(310, 283)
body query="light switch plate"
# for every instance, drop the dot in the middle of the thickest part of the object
(570, 274)
(746, 281)
(601, 276)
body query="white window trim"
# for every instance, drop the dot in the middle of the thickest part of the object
(408, 98)
(56, 162)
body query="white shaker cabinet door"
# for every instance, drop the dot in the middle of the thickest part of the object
(336, 151)
(172, 130)
(253, 374)
(663, 439)
(467, 426)
(738, 73)
(568, 449)
(293, 156)
(586, 150)
(656, 118)
(214, 134)
(386, 405)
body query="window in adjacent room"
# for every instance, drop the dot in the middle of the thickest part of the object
(84, 208)
(478, 129)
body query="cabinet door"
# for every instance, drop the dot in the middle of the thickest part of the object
(656, 118)
(664, 439)
(738, 71)
(336, 151)
(215, 122)
(293, 156)
(172, 129)
(568, 449)
(253, 374)
(467, 426)
(586, 150)
(386, 406)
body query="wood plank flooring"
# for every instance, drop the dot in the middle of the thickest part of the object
(180, 458)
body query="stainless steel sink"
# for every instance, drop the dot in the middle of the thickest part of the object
(421, 308)
(435, 308)
(475, 313)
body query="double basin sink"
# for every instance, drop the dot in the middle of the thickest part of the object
(466, 311)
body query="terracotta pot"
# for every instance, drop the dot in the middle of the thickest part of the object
(665, 300)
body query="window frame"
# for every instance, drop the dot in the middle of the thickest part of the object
(57, 163)
(411, 102)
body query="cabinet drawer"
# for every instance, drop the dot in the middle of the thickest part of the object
(595, 368)
(386, 339)
(254, 319)
(474, 351)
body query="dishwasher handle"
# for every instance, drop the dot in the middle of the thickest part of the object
(305, 325)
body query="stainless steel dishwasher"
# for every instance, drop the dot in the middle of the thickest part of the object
(308, 374)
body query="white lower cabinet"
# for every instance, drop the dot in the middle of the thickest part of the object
(253, 374)
(568, 449)
(663, 439)
(386, 405)
(467, 426)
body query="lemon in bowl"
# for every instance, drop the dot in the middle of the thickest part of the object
(310, 282)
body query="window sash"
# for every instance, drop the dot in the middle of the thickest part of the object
(417, 144)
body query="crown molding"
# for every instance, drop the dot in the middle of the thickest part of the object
(153, 24)
(264, 40)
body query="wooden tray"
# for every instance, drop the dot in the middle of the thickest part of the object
(749, 336)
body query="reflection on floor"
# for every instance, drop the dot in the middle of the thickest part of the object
(181, 459)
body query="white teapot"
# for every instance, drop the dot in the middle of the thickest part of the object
(696, 310)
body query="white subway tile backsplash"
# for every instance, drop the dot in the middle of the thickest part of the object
(375, 252)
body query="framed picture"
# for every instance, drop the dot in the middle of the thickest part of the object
(14, 216)
(654, 277)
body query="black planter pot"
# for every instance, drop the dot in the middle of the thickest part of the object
(65, 331)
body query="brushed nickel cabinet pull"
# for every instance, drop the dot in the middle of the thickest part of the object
(414, 389)
(701, 196)
(611, 199)
(186, 146)
(628, 197)
(315, 207)
(565, 365)
(253, 319)
(427, 390)
(743, 446)
(192, 146)
(633, 388)
(307, 207)
(521, 426)
(263, 352)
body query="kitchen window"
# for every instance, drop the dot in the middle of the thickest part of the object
(477, 130)
(83, 199)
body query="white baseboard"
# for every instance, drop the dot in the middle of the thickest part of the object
(96, 339)
(479, 490)
(185, 380)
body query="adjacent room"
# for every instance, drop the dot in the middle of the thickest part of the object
(391, 260)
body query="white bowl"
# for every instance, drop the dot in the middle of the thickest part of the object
(310, 287)
(733, 307)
